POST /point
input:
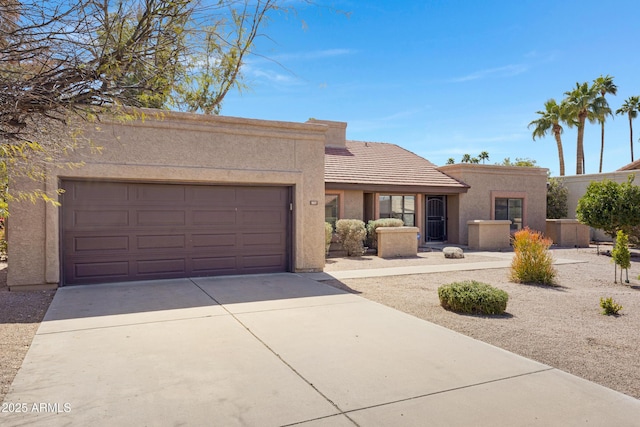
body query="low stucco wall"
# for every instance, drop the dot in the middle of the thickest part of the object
(489, 235)
(489, 182)
(173, 147)
(568, 233)
(397, 241)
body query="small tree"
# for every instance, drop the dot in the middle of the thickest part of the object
(557, 195)
(621, 255)
(610, 206)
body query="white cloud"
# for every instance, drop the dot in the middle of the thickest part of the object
(506, 71)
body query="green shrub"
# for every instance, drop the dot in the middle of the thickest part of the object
(328, 234)
(473, 297)
(351, 233)
(372, 236)
(609, 306)
(532, 262)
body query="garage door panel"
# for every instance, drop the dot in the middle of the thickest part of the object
(159, 218)
(161, 193)
(261, 218)
(255, 262)
(161, 241)
(87, 191)
(204, 195)
(264, 239)
(220, 217)
(212, 241)
(147, 231)
(159, 266)
(94, 218)
(82, 244)
(262, 196)
(215, 265)
(98, 270)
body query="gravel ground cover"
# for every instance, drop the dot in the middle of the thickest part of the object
(20, 316)
(560, 326)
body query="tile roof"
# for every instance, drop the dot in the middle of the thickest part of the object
(631, 166)
(382, 164)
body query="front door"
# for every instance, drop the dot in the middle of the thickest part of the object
(436, 219)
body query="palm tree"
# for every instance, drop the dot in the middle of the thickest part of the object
(549, 122)
(483, 156)
(583, 103)
(466, 158)
(605, 86)
(630, 108)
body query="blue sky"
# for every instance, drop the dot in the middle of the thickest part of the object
(444, 78)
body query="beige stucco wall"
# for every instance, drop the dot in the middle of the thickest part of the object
(577, 186)
(568, 233)
(353, 204)
(397, 241)
(489, 235)
(184, 148)
(493, 181)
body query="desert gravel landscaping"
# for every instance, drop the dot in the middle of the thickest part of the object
(20, 316)
(560, 326)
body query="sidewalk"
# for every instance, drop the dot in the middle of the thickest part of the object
(503, 261)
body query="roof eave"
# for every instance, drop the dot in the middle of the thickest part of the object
(391, 188)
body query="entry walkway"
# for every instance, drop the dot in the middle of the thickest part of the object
(278, 350)
(503, 260)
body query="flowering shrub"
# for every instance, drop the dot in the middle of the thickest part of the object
(532, 262)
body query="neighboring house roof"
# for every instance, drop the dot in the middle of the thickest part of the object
(385, 167)
(631, 166)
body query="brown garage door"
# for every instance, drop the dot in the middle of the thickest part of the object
(116, 231)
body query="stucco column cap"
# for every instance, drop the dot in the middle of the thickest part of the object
(489, 221)
(397, 230)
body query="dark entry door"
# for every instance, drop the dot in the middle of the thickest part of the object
(436, 218)
(120, 231)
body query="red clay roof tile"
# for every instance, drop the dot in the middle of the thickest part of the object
(383, 164)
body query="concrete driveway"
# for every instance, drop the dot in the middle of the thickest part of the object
(275, 350)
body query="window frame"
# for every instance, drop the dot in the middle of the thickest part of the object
(340, 210)
(401, 215)
(521, 195)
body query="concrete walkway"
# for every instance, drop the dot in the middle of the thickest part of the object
(503, 260)
(278, 350)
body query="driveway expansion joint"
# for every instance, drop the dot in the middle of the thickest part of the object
(272, 351)
(497, 380)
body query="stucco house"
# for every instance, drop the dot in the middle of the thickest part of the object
(184, 195)
(176, 195)
(370, 180)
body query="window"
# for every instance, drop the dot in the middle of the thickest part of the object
(331, 208)
(510, 209)
(401, 207)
